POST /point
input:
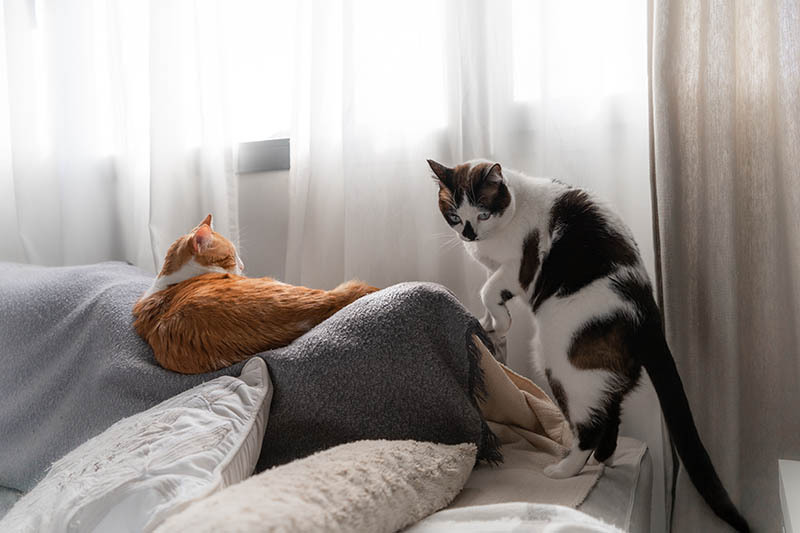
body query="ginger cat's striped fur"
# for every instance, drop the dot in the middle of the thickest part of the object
(201, 314)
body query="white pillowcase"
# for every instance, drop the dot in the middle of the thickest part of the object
(145, 467)
(373, 486)
(512, 517)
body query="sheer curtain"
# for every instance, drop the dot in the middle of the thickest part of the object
(726, 102)
(550, 88)
(381, 86)
(113, 133)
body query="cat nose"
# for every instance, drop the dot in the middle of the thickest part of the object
(468, 232)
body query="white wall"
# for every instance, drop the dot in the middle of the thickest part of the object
(264, 222)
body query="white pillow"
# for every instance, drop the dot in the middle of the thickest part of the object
(512, 517)
(152, 464)
(372, 486)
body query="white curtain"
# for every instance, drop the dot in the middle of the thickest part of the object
(113, 133)
(551, 88)
(545, 87)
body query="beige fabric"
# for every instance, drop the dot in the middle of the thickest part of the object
(726, 125)
(370, 486)
(520, 477)
(534, 434)
(524, 408)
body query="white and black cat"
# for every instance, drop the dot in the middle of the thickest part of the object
(576, 264)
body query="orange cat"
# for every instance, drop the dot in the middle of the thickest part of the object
(201, 314)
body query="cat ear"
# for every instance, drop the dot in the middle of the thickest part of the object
(494, 176)
(443, 174)
(207, 221)
(202, 238)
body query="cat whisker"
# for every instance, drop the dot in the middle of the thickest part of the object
(451, 243)
(447, 235)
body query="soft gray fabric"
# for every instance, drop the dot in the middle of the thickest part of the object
(397, 364)
(726, 148)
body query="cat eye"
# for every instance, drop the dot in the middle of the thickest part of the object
(484, 215)
(452, 218)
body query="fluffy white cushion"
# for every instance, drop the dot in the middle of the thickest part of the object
(147, 466)
(370, 486)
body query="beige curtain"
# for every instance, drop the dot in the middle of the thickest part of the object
(726, 162)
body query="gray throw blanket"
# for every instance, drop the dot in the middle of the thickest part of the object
(397, 364)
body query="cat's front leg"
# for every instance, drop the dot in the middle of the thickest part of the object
(498, 289)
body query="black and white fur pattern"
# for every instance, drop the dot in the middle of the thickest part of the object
(576, 264)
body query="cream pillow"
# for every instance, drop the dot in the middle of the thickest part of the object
(147, 466)
(371, 486)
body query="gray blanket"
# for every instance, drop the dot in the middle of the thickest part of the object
(397, 364)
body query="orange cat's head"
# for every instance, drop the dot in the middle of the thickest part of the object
(200, 251)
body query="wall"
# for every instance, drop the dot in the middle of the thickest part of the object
(264, 222)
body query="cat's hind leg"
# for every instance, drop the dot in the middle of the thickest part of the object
(608, 441)
(582, 396)
(592, 435)
(596, 433)
(571, 464)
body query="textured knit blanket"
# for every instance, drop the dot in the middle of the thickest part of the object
(396, 364)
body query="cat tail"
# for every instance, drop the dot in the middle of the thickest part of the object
(660, 365)
(350, 291)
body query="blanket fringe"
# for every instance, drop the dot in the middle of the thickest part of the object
(489, 447)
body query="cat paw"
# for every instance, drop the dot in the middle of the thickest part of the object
(555, 471)
(608, 462)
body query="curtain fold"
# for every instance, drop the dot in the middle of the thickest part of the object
(726, 97)
(113, 133)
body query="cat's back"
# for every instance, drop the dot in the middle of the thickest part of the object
(586, 227)
(219, 300)
(592, 281)
(592, 257)
(534, 197)
(572, 217)
(155, 311)
(208, 292)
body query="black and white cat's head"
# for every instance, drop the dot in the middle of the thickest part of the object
(474, 198)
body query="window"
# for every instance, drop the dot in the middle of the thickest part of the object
(260, 50)
(260, 42)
